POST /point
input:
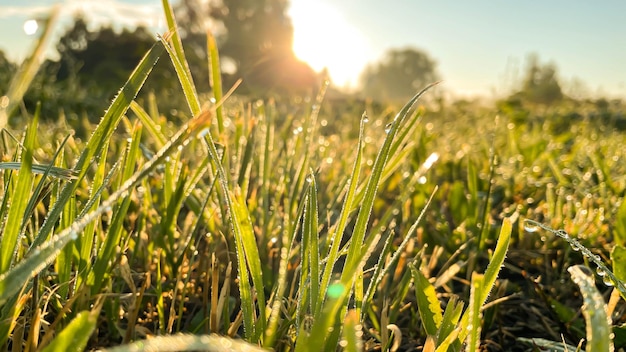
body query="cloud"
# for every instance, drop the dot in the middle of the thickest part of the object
(96, 12)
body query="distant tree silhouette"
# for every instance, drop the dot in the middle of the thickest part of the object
(256, 38)
(7, 70)
(103, 56)
(398, 75)
(540, 84)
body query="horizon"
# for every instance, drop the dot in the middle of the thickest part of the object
(480, 49)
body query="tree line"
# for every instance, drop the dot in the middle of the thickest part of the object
(255, 42)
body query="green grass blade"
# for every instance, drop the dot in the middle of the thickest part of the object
(449, 321)
(86, 243)
(427, 302)
(184, 77)
(337, 232)
(100, 137)
(547, 345)
(371, 189)
(215, 78)
(381, 272)
(474, 317)
(325, 326)
(352, 333)
(19, 200)
(106, 251)
(75, 335)
(248, 255)
(63, 264)
(491, 273)
(152, 127)
(44, 169)
(38, 258)
(608, 278)
(311, 248)
(179, 60)
(594, 310)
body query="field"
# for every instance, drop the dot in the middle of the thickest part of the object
(312, 224)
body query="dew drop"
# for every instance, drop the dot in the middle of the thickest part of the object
(530, 226)
(607, 281)
(388, 127)
(600, 272)
(203, 132)
(309, 178)
(365, 118)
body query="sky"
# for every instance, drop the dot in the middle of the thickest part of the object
(481, 47)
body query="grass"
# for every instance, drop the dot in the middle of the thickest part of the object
(266, 224)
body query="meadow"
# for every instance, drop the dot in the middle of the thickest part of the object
(310, 224)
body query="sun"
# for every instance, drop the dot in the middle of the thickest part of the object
(324, 39)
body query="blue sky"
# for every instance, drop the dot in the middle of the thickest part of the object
(480, 46)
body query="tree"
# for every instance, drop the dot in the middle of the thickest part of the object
(7, 70)
(540, 84)
(103, 56)
(398, 75)
(257, 39)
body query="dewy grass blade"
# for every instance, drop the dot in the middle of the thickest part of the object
(473, 327)
(106, 251)
(54, 171)
(100, 137)
(248, 256)
(428, 304)
(608, 278)
(150, 125)
(380, 273)
(594, 310)
(337, 232)
(180, 62)
(311, 232)
(19, 200)
(491, 273)
(75, 336)
(247, 250)
(371, 189)
(39, 257)
(352, 333)
(215, 77)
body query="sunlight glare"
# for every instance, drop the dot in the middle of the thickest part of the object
(30, 27)
(324, 39)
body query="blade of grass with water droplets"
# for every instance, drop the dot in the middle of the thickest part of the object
(105, 254)
(184, 77)
(474, 315)
(75, 336)
(371, 189)
(337, 232)
(19, 199)
(215, 77)
(427, 302)
(39, 257)
(609, 278)
(180, 62)
(100, 137)
(54, 171)
(491, 273)
(594, 310)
